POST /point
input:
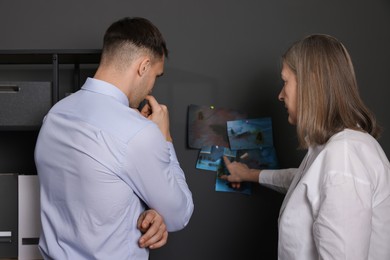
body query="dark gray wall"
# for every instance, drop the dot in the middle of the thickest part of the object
(225, 53)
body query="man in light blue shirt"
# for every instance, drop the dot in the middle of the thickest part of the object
(111, 184)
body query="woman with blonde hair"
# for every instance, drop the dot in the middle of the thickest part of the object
(337, 203)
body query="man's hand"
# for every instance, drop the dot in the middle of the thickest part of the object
(158, 113)
(155, 234)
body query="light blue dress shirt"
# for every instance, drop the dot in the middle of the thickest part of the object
(101, 164)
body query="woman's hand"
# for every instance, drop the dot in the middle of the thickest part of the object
(239, 172)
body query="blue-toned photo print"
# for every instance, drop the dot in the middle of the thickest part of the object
(225, 186)
(260, 158)
(250, 133)
(210, 157)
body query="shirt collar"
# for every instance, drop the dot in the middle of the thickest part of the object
(105, 88)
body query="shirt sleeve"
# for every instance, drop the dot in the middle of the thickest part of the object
(278, 180)
(342, 228)
(155, 175)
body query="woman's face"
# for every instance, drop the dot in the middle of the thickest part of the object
(288, 94)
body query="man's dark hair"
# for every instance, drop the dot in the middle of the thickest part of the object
(136, 31)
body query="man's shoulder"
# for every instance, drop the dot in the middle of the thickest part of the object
(111, 117)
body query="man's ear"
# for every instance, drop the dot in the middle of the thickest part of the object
(144, 65)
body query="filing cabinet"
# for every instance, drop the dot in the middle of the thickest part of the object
(29, 223)
(20, 224)
(8, 215)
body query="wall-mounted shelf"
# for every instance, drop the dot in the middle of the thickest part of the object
(29, 93)
(54, 57)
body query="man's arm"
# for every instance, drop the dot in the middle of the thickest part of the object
(153, 170)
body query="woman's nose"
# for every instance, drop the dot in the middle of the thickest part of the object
(281, 95)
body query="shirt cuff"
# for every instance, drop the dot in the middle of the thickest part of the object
(265, 176)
